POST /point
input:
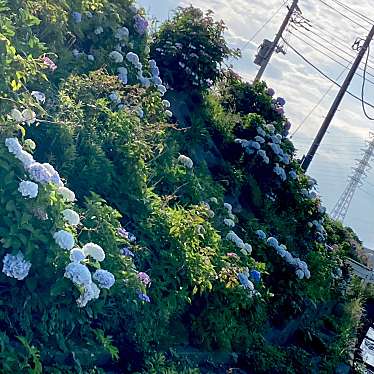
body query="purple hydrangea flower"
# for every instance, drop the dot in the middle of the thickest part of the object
(127, 235)
(270, 91)
(141, 24)
(125, 251)
(51, 65)
(281, 101)
(144, 278)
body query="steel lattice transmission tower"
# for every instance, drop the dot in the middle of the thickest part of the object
(340, 209)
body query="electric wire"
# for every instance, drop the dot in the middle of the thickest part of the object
(332, 58)
(355, 12)
(363, 86)
(343, 15)
(342, 49)
(325, 75)
(264, 25)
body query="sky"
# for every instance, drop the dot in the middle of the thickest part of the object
(333, 28)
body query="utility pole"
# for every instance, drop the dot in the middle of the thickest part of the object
(330, 115)
(271, 50)
(340, 209)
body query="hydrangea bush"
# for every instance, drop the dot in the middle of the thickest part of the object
(191, 49)
(131, 227)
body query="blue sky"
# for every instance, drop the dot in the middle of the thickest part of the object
(302, 86)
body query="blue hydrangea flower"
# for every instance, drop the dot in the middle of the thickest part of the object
(125, 251)
(16, 266)
(272, 242)
(77, 17)
(261, 234)
(64, 239)
(104, 278)
(78, 273)
(144, 297)
(255, 275)
(39, 173)
(245, 282)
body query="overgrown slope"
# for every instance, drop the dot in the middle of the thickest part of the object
(180, 169)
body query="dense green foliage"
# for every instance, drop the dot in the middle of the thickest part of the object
(194, 192)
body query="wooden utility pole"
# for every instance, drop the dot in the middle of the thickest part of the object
(330, 115)
(276, 41)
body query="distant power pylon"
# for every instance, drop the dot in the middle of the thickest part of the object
(340, 209)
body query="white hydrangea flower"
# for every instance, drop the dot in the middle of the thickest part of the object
(55, 177)
(270, 128)
(261, 131)
(28, 189)
(91, 292)
(71, 217)
(28, 116)
(166, 103)
(122, 33)
(78, 273)
(235, 239)
(30, 144)
(162, 89)
(77, 255)
(229, 222)
(13, 146)
(16, 266)
(116, 57)
(64, 239)
(39, 96)
(259, 139)
(231, 216)
(95, 251)
(248, 248)
(16, 115)
(185, 161)
(157, 81)
(66, 194)
(26, 159)
(132, 58)
(300, 274)
(104, 278)
(98, 30)
(228, 207)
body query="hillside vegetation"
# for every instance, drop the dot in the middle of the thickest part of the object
(154, 216)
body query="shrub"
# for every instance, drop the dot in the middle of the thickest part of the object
(190, 49)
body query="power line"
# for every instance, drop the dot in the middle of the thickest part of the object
(355, 12)
(325, 75)
(343, 15)
(363, 87)
(330, 42)
(331, 58)
(265, 24)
